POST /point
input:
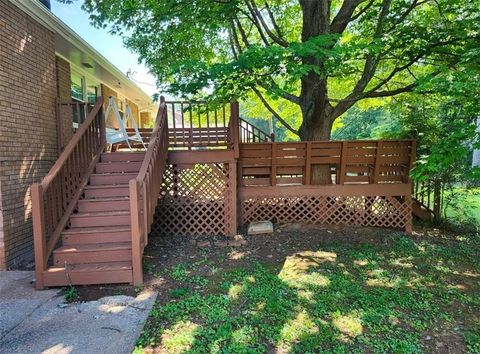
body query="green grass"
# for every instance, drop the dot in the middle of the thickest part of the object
(468, 204)
(403, 295)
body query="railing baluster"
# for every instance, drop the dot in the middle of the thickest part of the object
(216, 127)
(183, 125)
(191, 125)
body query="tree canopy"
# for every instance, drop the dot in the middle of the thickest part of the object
(320, 56)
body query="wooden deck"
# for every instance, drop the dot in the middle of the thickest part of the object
(204, 171)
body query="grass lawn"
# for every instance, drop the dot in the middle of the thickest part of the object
(312, 290)
(468, 203)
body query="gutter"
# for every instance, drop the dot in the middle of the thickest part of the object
(46, 18)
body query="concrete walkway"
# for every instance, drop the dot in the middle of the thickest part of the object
(39, 322)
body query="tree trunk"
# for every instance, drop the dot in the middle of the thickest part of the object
(316, 125)
(316, 109)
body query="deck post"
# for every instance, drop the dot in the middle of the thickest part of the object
(40, 242)
(308, 163)
(235, 121)
(103, 129)
(408, 215)
(233, 207)
(137, 271)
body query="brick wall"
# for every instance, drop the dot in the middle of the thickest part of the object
(28, 142)
(64, 83)
(106, 93)
(146, 119)
(134, 109)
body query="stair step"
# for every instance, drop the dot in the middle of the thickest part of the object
(111, 178)
(92, 253)
(112, 190)
(85, 274)
(104, 204)
(419, 210)
(101, 218)
(118, 167)
(91, 235)
(122, 156)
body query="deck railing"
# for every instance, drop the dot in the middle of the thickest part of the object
(251, 134)
(352, 162)
(70, 115)
(145, 190)
(197, 124)
(429, 193)
(55, 197)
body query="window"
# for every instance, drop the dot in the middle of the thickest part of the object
(77, 91)
(92, 93)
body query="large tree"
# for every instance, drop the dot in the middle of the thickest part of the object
(321, 55)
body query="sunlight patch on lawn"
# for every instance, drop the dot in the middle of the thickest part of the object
(349, 325)
(180, 337)
(385, 282)
(381, 278)
(467, 274)
(236, 255)
(235, 291)
(402, 262)
(301, 326)
(360, 262)
(243, 336)
(296, 271)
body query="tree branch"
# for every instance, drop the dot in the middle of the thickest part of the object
(372, 94)
(256, 23)
(284, 94)
(275, 114)
(242, 32)
(362, 11)
(344, 15)
(259, 16)
(274, 23)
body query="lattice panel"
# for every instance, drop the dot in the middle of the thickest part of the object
(389, 212)
(195, 200)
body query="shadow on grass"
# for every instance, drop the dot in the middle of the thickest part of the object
(403, 295)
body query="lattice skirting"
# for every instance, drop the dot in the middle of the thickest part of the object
(389, 212)
(196, 200)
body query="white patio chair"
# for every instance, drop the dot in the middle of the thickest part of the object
(116, 136)
(129, 117)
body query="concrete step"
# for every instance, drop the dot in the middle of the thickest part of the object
(101, 218)
(91, 235)
(85, 274)
(92, 253)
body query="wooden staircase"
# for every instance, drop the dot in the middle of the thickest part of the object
(97, 243)
(92, 213)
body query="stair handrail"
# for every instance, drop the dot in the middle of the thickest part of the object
(145, 190)
(250, 133)
(55, 197)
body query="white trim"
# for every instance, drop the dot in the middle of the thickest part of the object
(79, 71)
(45, 17)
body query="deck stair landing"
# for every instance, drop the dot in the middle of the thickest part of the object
(96, 245)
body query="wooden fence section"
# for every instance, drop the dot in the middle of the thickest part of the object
(351, 162)
(55, 197)
(370, 182)
(145, 189)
